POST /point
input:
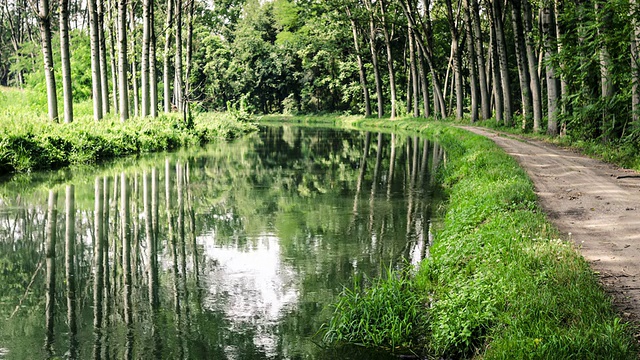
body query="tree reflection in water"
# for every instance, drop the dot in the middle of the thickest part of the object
(233, 252)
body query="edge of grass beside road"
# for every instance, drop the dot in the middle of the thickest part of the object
(499, 284)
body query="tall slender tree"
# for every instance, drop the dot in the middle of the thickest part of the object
(96, 77)
(521, 60)
(457, 58)
(144, 61)
(122, 61)
(168, 28)
(361, 71)
(485, 99)
(473, 70)
(635, 63)
(178, 83)
(65, 60)
(104, 70)
(390, 69)
(550, 49)
(532, 62)
(44, 20)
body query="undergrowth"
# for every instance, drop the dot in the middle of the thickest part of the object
(499, 284)
(30, 142)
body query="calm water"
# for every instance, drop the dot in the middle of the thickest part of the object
(230, 252)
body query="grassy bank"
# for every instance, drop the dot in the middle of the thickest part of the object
(499, 284)
(30, 142)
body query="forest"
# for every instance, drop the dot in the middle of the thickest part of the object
(567, 68)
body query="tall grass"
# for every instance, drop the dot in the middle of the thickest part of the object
(29, 142)
(500, 282)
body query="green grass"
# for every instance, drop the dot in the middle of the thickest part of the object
(500, 283)
(30, 142)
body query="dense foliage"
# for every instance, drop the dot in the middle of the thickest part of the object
(304, 56)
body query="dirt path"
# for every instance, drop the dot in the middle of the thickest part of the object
(595, 204)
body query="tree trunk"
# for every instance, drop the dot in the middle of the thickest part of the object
(473, 72)
(532, 61)
(564, 86)
(552, 86)
(96, 77)
(44, 20)
(606, 86)
(485, 98)
(133, 62)
(363, 77)
(122, 60)
(392, 75)
(112, 55)
(523, 73)
(104, 81)
(495, 71)
(502, 60)
(635, 65)
(144, 61)
(66, 61)
(178, 81)
(153, 73)
(374, 58)
(423, 82)
(166, 67)
(414, 73)
(188, 91)
(457, 60)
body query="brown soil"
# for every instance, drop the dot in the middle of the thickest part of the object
(596, 205)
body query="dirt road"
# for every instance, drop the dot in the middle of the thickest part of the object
(595, 204)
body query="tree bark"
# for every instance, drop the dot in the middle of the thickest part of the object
(153, 72)
(564, 86)
(66, 61)
(178, 81)
(552, 87)
(166, 64)
(532, 61)
(423, 82)
(112, 55)
(374, 58)
(606, 86)
(144, 61)
(187, 87)
(44, 20)
(104, 77)
(523, 72)
(635, 64)
(457, 60)
(414, 73)
(485, 98)
(495, 70)
(96, 77)
(502, 60)
(133, 62)
(122, 60)
(361, 72)
(473, 71)
(392, 75)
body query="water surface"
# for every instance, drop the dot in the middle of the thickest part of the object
(234, 251)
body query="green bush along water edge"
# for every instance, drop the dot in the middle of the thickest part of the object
(30, 142)
(499, 284)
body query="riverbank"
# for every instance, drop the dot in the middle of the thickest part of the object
(29, 142)
(500, 283)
